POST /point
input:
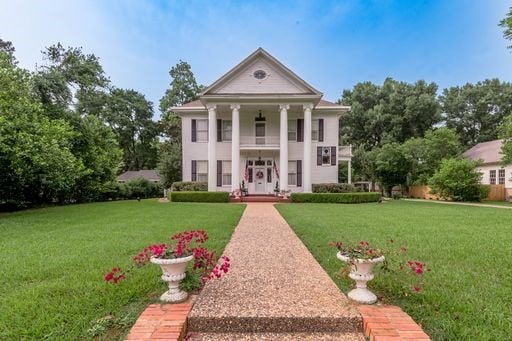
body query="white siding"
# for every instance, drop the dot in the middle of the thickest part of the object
(485, 174)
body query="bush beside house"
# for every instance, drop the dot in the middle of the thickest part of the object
(199, 196)
(189, 186)
(336, 198)
(334, 188)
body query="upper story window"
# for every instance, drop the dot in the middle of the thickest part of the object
(315, 130)
(227, 129)
(492, 176)
(201, 130)
(292, 130)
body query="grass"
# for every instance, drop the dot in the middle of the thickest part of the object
(467, 294)
(54, 260)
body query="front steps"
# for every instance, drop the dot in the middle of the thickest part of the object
(259, 198)
(275, 289)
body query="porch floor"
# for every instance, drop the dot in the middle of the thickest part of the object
(259, 198)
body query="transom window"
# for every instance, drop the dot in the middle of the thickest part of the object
(227, 129)
(492, 177)
(292, 130)
(292, 173)
(202, 130)
(202, 170)
(315, 130)
(501, 176)
(226, 173)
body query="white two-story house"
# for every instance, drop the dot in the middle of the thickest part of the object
(262, 126)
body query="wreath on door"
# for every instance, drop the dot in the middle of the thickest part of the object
(259, 174)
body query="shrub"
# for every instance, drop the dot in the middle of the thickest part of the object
(458, 180)
(336, 198)
(189, 186)
(139, 188)
(200, 196)
(397, 196)
(485, 190)
(334, 188)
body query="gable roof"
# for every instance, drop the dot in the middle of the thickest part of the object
(148, 174)
(489, 152)
(261, 54)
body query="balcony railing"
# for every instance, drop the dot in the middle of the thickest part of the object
(259, 141)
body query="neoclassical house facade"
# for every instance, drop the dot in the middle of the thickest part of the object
(261, 126)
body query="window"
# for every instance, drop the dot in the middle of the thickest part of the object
(501, 176)
(227, 129)
(226, 173)
(326, 156)
(292, 173)
(202, 130)
(492, 177)
(292, 130)
(202, 170)
(315, 130)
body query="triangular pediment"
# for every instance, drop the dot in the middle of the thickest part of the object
(259, 74)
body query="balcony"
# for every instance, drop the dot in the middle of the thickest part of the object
(259, 142)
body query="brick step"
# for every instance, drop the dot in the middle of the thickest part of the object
(259, 198)
(274, 336)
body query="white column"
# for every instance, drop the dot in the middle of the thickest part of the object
(349, 171)
(212, 146)
(235, 147)
(306, 167)
(283, 148)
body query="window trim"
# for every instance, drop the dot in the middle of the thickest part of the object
(294, 174)
(227, 173)
(223, 131)
(317, 130)
(492, 177)
(200, 131)
(501, 176)
(294, 124)
(201, 174)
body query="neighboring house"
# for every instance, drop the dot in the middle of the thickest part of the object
(493, 172)
(262, 124)
(148, 174)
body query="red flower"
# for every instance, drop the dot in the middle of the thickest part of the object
(417, 289)
(115, 276)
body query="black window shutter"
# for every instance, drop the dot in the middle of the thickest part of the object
(299, 173)
(269, 174)
(300, 130)
(219, 173)
(318, 156)
(219, 130)
(333, 156)
(321, 130)
(194, 131)
(250, 175)
(194, 170)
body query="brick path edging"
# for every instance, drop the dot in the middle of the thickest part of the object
(161, 322)
(389, 323)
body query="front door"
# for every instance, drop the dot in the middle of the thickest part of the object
(259, 180)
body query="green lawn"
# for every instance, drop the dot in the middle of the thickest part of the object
(469, 292)
(54, 260)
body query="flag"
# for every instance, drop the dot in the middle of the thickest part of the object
(275, 170)
(246, 172)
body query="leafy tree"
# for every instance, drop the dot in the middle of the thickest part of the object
(36, 159)
(169, 163)
(506, 24)
(130, 115)
(476, 111)
(506, 135)
(390, 166)
(393, 112)
(184, 89)
(457, 179)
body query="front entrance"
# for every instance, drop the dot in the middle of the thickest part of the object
(259, 180)
(261, 177)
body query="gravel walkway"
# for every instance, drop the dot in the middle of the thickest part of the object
(274, 286)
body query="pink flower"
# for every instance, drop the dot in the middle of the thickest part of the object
(115, 276)
(416, 289)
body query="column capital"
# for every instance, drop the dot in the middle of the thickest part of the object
(284, 107)
(235, 106)
(211, 106)
(308, 106)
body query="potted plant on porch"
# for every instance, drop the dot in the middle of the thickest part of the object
(173, 258)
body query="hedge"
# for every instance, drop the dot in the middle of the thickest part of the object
(200, 196)
(189, 186)
(336, 198)
(334, 188)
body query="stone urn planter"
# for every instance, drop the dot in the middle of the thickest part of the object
(173, 273)
(361, 271)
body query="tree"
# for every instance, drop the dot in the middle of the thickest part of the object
(169, 163)
(393, 112)
(506, 135)
(476, 111)
(184, 89)
(390, 165)
(130, 115)
(457, 179)
(506, 24)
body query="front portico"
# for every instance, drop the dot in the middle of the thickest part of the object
(263, 127)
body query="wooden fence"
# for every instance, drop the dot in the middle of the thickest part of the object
(497, 193)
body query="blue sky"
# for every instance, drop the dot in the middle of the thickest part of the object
(331, 44)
